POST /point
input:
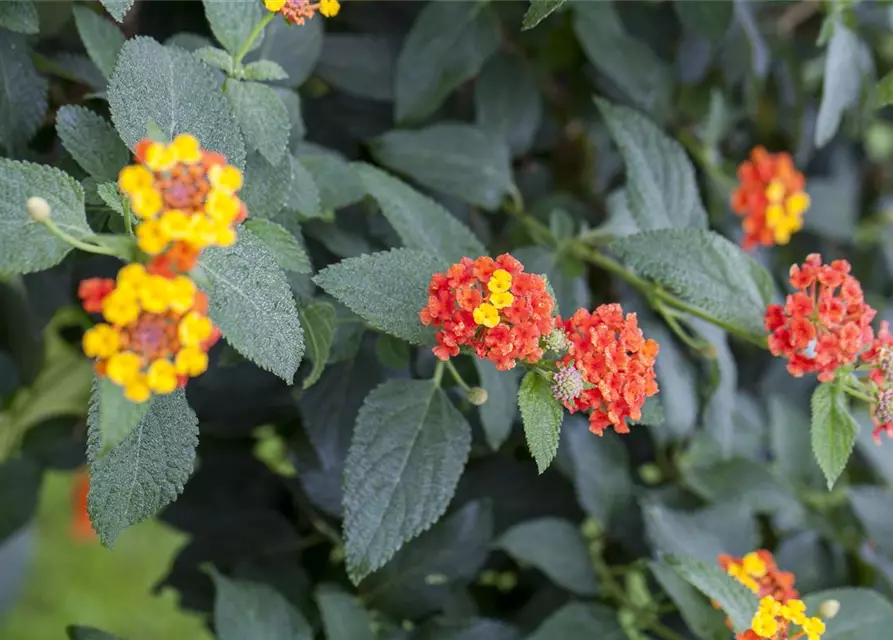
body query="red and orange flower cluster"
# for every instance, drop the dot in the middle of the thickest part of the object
(297, 12)
(770, 198)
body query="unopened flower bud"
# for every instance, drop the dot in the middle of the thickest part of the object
(477, 396)
(883, 408)
(829, 608)
(650, 473)
(567, 384)
(38, 209)
(556, 341)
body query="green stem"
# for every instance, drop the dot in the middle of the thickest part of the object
(665, 632)
(458, 378)
(128, 217)
(858, 394)
(74, 242)
(259, 27)
(438, 373)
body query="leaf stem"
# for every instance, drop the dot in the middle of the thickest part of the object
(258, 28)
(438, 373)
(74, 242)
(458, 378)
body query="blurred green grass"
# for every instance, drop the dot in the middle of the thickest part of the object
(77, 582)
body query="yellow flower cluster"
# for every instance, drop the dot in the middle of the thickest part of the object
(748, 571)
(487, 313)
(784, 213)
(773, 616)
(299, 11)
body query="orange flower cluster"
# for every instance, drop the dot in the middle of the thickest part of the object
(615, 360)
(770, 197)
(825, 324)
(491, 306)
(297, 12)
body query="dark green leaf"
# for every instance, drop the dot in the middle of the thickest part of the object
(874, 508)
(337, 182)
(92, 141)
(833, 430)
(538, 11)
(467, 629)
(302, 196)
(508, 103)
(262, 116)
(232, 21)
(111, 415)
(88, 633)
(359, 65)
(266, 186)
(343, 617)
(705, 621)
(19, 486)
(287, 249)
(19, 16)
(498, 413)
(250, 610)
(884, 92)
(708, 20)
(580, 621)
(295, 49)
(846, 65)
(863, 613)
(23, 93)
(703, 534)
(102, 39)
(318, 321)
(117, 8)
(392, 352)
(789, 438)
(542, 415)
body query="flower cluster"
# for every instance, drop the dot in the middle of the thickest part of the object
(491, 306)
(758, 572)
(617, 362)
(156, 332)
(825, 324)
(297, 12)
(185, 198)
(773, 621)
(770, 197)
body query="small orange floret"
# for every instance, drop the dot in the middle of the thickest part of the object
(81, 529)
(93, 291)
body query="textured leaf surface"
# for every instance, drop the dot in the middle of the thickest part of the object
(337, 183)
(705, 270)
(360, 65)
(287, 250)
(266, 186)
(232, 21)
(262, 116)
(92, 141)
(177, 92)
(498, 413)
(23, 93)
(112, 415)
(295, 49)
(343, 617)
(507, 102)
(447, 45)
(556, 548)
(251, 610)
(419, 221)
(19, 16)
(102, 39)
(302, 196)
(578, 621)
(864, 613)
(20, 181)
(408, 451)
(846, 64)
(146, 471)
(252, 304)
(117, 8)
(542, 415)
(318, 320)
(387, 289)
(538, 11)
(833, 430)
(457, 159)
(215, 57)
(601, 471)
(265, 70)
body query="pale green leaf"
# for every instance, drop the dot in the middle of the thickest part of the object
(192, 42)
(447, 45)
(176, 91)
(264, 70)
(864, 613)
(92, 142)
(833, 430)
(245, 610)
(409, 448)
(420, 222)
(318, 320)
(232, 21)
(542, 415)
(337, 183)
(498, 413)
(146, 471)
(387, 289)
(580, 621)
(285, 247)
(508, 103)
(343, 617)
(102, 38)
(538, 11)
(20, 181)
(457, 159)
(295, 49)
(19, 16)
(359, 65)
(266, 186)
(252, 304)
(302, 196)
(703, 619)
(846, 65)
(117, 8)
(23, 93)
(111, 415)
(556, 548)
(704, 269)
(111, 196)
(262, 116)
(292, 102)
(215, 57)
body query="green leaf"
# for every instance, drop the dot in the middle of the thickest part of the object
(447, 45)
(789, 437)
(420, 222)
(318, 320)
(92, 142)
(232, 21)
(20, 181)
(833, 430)
(457, 159)
(252, 304)
(703, 269)
(392, 352)
(884, 91)
(295, 49)
(302, 196)
(578, 621)
(343, 617)
(173, 89)
(387, 289)
(498, 413)
(864, 613)
(702, 534)
(337, 182)
(409, 448)
(20, 480)
(251, 610)
(287, 249)
(661, 189)
(117, 8)
(736, 600)
(102, 39)
(542, 415)
(265, 71)
(846, 65)
(359, 65)
(146, 471)
(111, 415)
(108, 192)
(266, 186)
(262, 116)
(23, 93)
(704, 620)
(556, 548)
(507, 102)
(467, 629)
(88, 633)
(873, 507)
(708, 20)
(722, 384)
(215, 57)
(538, 11)
(19, 16)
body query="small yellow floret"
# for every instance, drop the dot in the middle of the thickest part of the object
(161, 157)
(794, 610)
(137, 389)
(274, 5)
(194, 329)
(501, 300)
(134, 178)
(155, 294)
(753, 565)
(146, 202)
(775, 191)
(131, 276)
(182, 294)
(123, 367)
(101, 341)
(225, 177)
(224, 235)
(796, 204)
(152, 237)
(814, 628)
(487, 315)
(329, 8)
(222, 206)
(120, 307)
(162, 376)
(764, 625)
(175, 224)
(191, 361)
(186, 148)
(500, 281)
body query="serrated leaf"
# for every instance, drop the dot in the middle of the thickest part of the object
(507, 102)
(117, 8)
(287, 249)
(245, 609)
(232, 22)
(555, 547)
(542, 415)
(111, 415)
(387, 289)
(318, 320)
(302, 196)
(264, 70)
(108, 192)
(295, 49)
(102, 39)
(420, 222)
(88, 633)
(343, 617)
(846, 65)
(23, 93)
(262, 116)
(704, 620)
(20, 181)
(215, 57)
(19, 16)
(538, 11)
(92, 142)
(146, 471)
(703, 269)
(266, 186)
(359, 65)
(661, 189)
(446, 46)
(498, 413)
(739, 603)
(864, 613)
(580, 620)
(252, 304)
(457, 159)
(833, 430)
(176, 91)
(337, 183)
(409, 448)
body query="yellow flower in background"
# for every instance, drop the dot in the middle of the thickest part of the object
(329, 8)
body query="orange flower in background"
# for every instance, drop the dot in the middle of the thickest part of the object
(297, 12)
(616, 361)
(758, 572)
(825, 324)
(491, 306)
(81, 529)
(770, 198)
